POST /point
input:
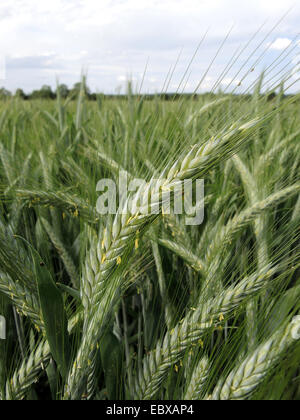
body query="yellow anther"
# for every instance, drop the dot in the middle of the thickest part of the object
(129, 220)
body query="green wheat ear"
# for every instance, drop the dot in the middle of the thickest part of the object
(243, 381)
(151, 308)
(124, 232)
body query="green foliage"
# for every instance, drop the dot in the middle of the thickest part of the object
(53, 314)
(44, 93)
(107, 307)
(4, 94)
(20, 94)
(63, 90)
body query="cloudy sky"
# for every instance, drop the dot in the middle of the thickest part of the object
(113, 40)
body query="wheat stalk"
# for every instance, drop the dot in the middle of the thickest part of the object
(31, 368)
(227, 233)
(28, 372)
(192, 329)
(63, 252)
(125, 231)
(213, 277)
(162, 285)
(242, 382)
(24, 300)
(196, 385)
(186, 254)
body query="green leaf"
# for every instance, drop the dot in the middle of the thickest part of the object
(72, 292)
(111, 356)
(53, 379)
(53, 313)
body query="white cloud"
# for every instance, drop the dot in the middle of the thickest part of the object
(230, 81)
(280, 44)
(116, 37)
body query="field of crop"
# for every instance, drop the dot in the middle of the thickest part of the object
(144, 306)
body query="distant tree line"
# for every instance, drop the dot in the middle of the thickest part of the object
(47, 93)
